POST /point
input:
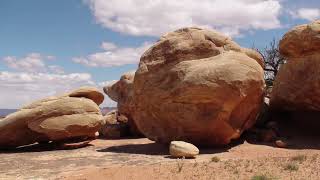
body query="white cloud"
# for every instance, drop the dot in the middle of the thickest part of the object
(108, 46)
(56, 69)
(106, 83)
(307, 13)
(20, 88)
(156, 17)
(35, 79)
(113, 56)
(33, 62)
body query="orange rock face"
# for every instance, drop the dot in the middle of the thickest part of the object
(197, 86)
(301, 41)
(296, 87)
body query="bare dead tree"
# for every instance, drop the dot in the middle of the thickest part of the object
(272, 59)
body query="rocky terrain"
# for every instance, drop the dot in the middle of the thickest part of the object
(196, 108)
(144, 159)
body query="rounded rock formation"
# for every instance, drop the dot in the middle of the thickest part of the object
(301, 41)
(198, 86)
(296, 87)
(52, 119)
(122, 92)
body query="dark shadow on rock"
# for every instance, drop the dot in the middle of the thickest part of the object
(121, 138)
(163, 149)
(299, 130)
(221, 149)
(37, 148)
(293, 142)
(171, 157)
(147, 149)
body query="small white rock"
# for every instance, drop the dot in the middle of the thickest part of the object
(281, 144)
(181, 149)
(97, 134)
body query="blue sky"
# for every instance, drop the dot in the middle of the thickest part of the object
(47, 47)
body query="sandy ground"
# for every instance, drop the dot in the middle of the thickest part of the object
(143, 159)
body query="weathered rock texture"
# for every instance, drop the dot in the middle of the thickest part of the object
(74, 115)
(297, 85)
(115, 126)
(198, 86)
(122, 92)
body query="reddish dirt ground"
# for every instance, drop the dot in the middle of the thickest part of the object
(144, 159)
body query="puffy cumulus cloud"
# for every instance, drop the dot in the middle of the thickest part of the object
(106, 83)
(155, 17)
(56, 69)
(307, 13)
(113, 56)
(20, 88)
(108, 46)
(33, 62)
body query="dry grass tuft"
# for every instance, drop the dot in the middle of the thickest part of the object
(291, 167)
(215, 159)
(299, 158)
(260, 177)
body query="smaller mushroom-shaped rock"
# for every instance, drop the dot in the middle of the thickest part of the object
(181, 149)
(88, 92)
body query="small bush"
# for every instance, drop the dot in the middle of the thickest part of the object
(291, 167)
(314, 157)
(180, 164)
(215, 159)
(299, 158)
(260, 177)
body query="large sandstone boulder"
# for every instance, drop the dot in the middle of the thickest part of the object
(53, 119)
(122, 92)
(198, 86)
(296, 87)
